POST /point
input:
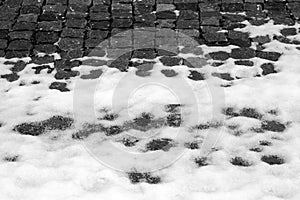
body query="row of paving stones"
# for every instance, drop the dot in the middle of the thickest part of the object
(73, 28)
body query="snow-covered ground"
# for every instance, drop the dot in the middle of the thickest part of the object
(56, 166)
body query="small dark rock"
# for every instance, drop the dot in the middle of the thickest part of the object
(174, 120)
(288, 31)
(169, 72)
(11, 158)
(170, 61)
(251, 113)
(242, 53)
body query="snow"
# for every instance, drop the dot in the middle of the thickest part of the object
(54, 166)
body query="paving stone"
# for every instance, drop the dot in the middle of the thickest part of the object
(195, 62)
(72, 53)
(225, 76)
(242, 53)
(66, 64)
(99, 8)
(186, 6)
(142, 73)
(6, 24)
(244, 62)
(170, 61)
(70, 43)
(2, 53)
(232, 7)
(196, 76)
(163, 7)
(3, 34)
(76, 23)
(93, 42)
(268, 55)
(149, 17)
(144, 54)
(50, 26)
(59, 86)
(166, 23)
(73, 33)
(219, 55)
(19, 45)
(166, 15)
(97, 34)
(53, 2)
(65, 74)
(11, 77)
(99, 16)
(262, 39)
(27, 35)
(97, 2)
(33, 2)
(94, 62)
(18, 66)
(288, 31)
(239, 38)
(210, 29)
(3, 44)
(76, 15)
(28, 18)
(50, 17)
(45, 48)
(169, 72)
(268, 68)
(187, 24)
(16, 54)
(210, 21)
(24, 26)
(192, 49)
(13, 3)
(40, 60)
(143, 8)
(46, 37)
(30, 9)
(85, 2)
(57, 8)
(121, 63)
(121, 23)
(97, 52)
(94, 74)
(78, 8)
(215, 38)
(104, 25)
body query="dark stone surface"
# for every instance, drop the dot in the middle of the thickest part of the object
(219, 55)
(20, 45)
(70, 43)
(268, 55)
(45, 48)
(40, 60)
(18, 66)
(46, 37)
(268, 68)
(239, 38)
(170, 61)
(288, 31)
(11, 77)
(225, 76)
(144, 53)
(27, 35)
(59, 86)
(244, 62)
(38, 69)
(242, 53)
(196, 76)
(65, 74)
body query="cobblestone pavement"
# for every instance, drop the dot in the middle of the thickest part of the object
(74, 28)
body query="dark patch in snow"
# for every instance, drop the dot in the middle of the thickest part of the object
(201, 161)
(272, 159)
(11, 158)
(137, 177)
(274, 126)
(160, 144)
(239, 161)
